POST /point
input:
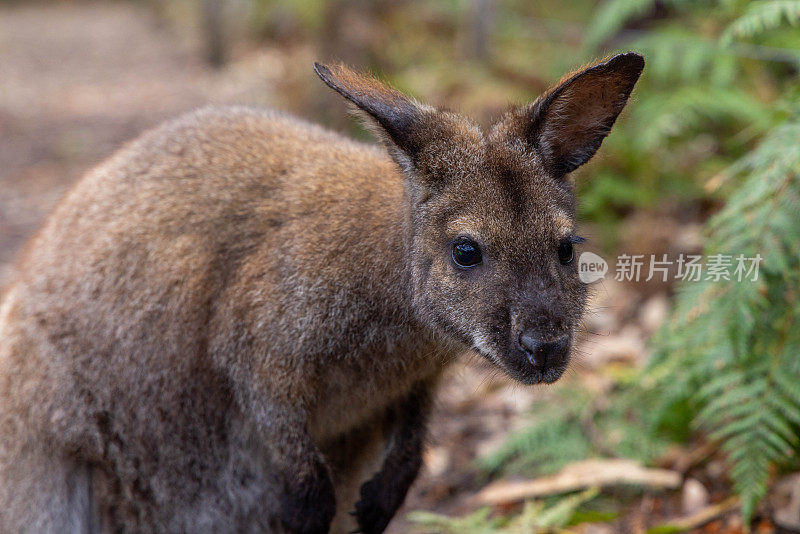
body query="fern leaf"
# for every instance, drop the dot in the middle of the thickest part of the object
(612, 17)
(761, 17)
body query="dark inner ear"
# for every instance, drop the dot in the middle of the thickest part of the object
(567, 124)
(393, 111)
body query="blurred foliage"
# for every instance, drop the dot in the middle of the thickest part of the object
(730, 353)
(583, 426)
(536, 516)
(700, 105)
(763, 16)
(731, 349)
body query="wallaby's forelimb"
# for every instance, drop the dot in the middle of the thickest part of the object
(383, 494)
(307, 501)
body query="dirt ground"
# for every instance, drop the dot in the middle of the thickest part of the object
(77, 80)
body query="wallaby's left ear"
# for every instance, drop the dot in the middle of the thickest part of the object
(397, 116)
(567, 124)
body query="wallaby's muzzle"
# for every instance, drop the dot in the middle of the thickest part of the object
(549, 358)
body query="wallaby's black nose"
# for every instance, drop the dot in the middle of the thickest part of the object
(544, 355)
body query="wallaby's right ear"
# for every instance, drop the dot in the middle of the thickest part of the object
(396, 115)
(567, 124)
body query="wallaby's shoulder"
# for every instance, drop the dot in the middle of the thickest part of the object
(244, 132)
(242, 119)
(199, 167)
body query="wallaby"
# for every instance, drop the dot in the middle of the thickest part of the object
(237, 322)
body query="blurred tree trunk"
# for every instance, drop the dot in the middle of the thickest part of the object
(351, 34)
(479, 29)
(216, 52)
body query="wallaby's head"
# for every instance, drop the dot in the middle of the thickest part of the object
(492, 214)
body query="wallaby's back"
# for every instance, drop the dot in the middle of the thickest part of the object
(117, 317)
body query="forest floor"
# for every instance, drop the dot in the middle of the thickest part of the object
(78, 80)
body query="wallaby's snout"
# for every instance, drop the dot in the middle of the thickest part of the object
(533, 339)
(545, 318)
(548, 358)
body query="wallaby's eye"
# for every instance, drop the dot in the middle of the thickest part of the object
(466, 254)
(565, 252)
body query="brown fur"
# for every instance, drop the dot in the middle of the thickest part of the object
(220, 327)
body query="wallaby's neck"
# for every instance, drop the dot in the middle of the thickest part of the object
(390, 258)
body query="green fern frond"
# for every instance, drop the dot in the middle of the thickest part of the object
(735, 357)
(676, 54)
(478, 522)
(576, 430)
(761, 17)
(612, 16)
(694, 109)
(547, 443)
(536, 516)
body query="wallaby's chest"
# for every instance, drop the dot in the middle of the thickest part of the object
(359, 389)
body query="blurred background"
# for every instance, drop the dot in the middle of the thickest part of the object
(683, 408)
